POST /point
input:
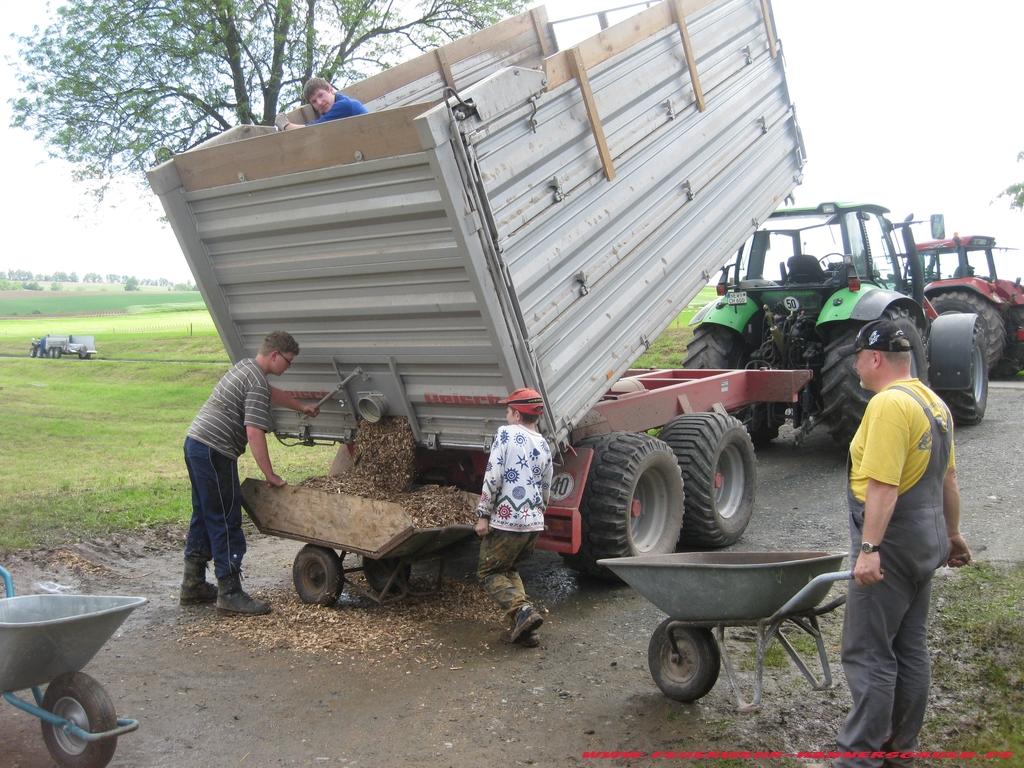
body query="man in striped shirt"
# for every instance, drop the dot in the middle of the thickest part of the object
(235, 415)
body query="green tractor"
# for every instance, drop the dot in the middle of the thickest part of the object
(837, 268)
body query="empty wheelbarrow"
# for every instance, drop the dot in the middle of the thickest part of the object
(705, 591)
(333, 524)
(47, 639)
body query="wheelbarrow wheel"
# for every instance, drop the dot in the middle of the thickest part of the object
(77, 697)
(318, 575)
(377, 573)
(687, 670)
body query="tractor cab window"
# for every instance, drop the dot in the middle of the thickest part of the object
(947, 264)
(785, 240)
(884, 265)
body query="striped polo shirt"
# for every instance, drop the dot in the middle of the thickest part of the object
(241, 399)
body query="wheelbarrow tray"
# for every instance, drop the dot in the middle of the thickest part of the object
(370, 527)
(722, 587)
(43, 636)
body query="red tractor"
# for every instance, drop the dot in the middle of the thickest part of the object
(960, 275)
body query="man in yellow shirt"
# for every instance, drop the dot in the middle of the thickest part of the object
(904, 524)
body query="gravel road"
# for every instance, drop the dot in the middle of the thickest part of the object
(453, 693)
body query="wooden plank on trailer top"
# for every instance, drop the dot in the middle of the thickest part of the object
(617, 38)
(769, 27)
(539, 16)
(580, 73)
(338, 142)
(691, 60)
(339, 520)
(426, 64)
(444, 67)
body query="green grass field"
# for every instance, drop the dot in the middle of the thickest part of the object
(95, 446)
(81, 302)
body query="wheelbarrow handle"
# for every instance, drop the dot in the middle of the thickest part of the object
(8, 582)
(795, 600)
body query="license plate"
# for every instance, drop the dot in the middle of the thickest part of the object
(732, 299)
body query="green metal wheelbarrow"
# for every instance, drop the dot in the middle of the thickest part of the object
(705, 591)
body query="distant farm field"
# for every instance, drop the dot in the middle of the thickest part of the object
(164, 333)
(81, 302)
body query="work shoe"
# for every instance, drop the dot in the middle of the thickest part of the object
(528, 640)
(195, 589)
(526, 620)
(231, 598)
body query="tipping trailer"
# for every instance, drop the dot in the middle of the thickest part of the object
(508, 215)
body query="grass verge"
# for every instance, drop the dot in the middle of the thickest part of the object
(96, 446)
(977, 643)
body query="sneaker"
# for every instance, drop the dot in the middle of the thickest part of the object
(526, 620)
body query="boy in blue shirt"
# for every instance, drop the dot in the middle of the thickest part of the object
(328, 103)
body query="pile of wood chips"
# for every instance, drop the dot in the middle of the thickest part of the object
(386, 454)
(384, 468)
(381, 632)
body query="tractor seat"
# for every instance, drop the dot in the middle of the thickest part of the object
(803, 268)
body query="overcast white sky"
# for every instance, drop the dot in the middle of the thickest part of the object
(912, 104)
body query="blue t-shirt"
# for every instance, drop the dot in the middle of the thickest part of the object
(343, 107)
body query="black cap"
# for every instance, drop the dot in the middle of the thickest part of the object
(882, 335)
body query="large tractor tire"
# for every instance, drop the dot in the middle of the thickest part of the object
(968, 406)
(990, 322)
(633, 502)
(716, 457)
(844, 400)
(715, 346)
(1013, 355)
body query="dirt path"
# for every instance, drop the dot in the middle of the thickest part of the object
(426, 685)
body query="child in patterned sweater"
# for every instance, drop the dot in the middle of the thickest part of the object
(510, 513)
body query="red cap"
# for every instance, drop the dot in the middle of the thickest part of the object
(525, 400)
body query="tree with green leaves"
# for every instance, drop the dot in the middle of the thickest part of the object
(115, 85)
(1015, 191)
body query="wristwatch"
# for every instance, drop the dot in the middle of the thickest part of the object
(867, 547)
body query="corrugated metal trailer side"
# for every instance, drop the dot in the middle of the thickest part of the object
(605, 218)
(539, 228)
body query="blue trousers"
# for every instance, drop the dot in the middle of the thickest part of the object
(215, 531)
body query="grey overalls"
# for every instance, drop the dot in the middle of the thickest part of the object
(885, 653)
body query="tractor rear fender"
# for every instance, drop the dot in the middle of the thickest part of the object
(950, 352)
(868, 304)
(983, 288)
(731, 316)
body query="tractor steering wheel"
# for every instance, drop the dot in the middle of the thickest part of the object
(828, 265)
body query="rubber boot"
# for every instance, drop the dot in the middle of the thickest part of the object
(231, 598)
(195, 589)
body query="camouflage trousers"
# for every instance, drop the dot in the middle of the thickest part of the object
(500, 553)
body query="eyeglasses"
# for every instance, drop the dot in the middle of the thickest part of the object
(287, 360)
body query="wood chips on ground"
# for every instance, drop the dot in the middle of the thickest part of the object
(383, 469)
(380, 632)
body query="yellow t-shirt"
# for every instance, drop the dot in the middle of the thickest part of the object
(894, 440)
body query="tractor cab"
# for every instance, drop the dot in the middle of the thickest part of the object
(826, 246)
(959, 257)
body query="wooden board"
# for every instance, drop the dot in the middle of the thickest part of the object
(339, 521)
(364, 137)
(617, 38)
